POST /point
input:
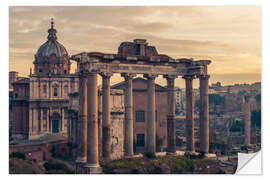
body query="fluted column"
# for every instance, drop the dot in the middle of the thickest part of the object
(204, 114)
(189, 114)
(171, 122)
(81, 136)
(92, 124)
(128, 139)
(106, 115)
(151, 113)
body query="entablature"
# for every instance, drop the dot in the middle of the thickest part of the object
(111, 63)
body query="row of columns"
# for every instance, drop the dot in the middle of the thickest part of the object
(204, 114)
(88, 116)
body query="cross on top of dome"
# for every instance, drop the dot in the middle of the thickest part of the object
(52, 32)
(52, 23)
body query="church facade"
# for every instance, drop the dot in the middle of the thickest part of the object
(47, 89)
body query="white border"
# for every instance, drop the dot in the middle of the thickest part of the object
(4, 72)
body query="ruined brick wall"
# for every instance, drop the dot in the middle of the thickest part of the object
(42, 151)
(137, 48)
(117, 123)
(20, 121)
(117, 135)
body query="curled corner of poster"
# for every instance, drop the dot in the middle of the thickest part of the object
(249, 163)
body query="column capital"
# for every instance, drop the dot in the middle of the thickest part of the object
(106, 75)
(150, 76)
(204, 76)
(191, 77)
(171, 77)
(128, 75)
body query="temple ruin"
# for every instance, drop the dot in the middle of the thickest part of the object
(134, 58)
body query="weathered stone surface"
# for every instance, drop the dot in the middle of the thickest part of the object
(189, 114)
(204, 114)
(117, 136)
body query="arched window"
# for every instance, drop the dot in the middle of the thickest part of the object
(55, 87)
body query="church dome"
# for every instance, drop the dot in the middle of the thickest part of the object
(52, 57)
(52, 48)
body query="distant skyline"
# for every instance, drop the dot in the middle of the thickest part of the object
(230, 36)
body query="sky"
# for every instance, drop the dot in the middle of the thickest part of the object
(229, 36)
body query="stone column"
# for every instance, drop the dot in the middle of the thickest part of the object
(92, 124)
(82, 121)
(151, 113)
(189, 114)
(100, 123)
(106, 115)
(247, 121)
(204, 114)
(171, 122)
(128, 140)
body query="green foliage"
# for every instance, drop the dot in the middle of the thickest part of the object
(20, 166)
(186, 164)
(55, 167)
(17, 155)
(149, 155)
(160, 165)
(109, 167)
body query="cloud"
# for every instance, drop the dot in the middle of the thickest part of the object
(229, 35)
